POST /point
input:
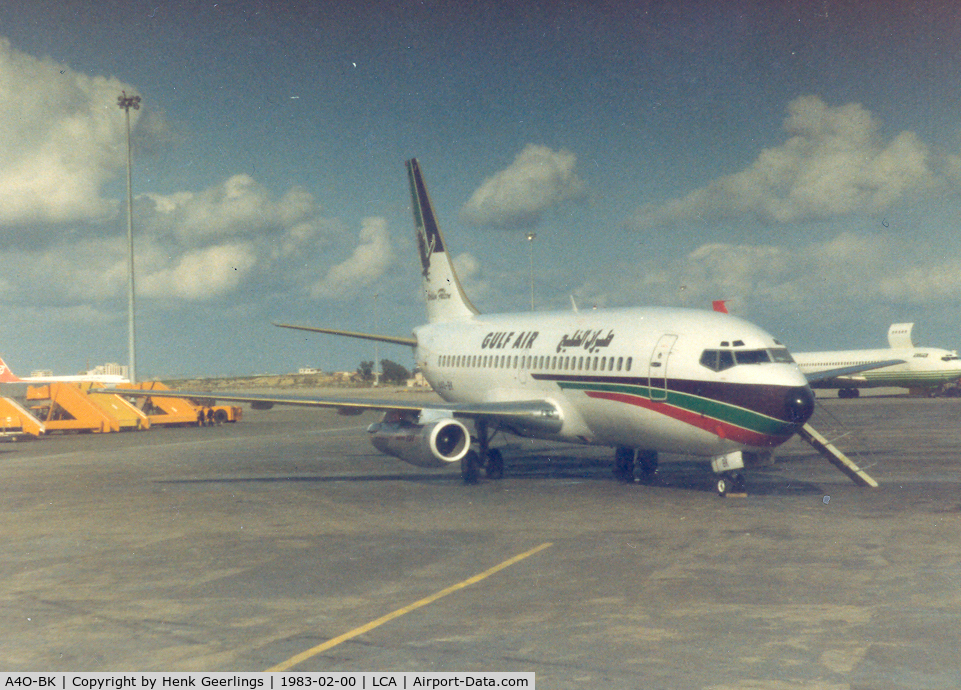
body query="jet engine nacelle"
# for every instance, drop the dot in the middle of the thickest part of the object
(436, 444)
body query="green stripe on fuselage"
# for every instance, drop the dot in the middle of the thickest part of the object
(715, 409)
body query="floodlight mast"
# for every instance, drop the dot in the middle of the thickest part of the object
(127, 102)
(530, 243)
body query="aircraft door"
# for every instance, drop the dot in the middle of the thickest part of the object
(657, 367)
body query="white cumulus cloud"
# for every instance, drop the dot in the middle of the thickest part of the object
(61, 138)
(201, 274)
(189, 247)
(472, 276)
(240, 206)
(852, 271)
(516, 197)
(64, 274)
(369, 261)
(834, 163)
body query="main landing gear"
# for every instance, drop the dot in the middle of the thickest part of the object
(490, 459)
(626, 460)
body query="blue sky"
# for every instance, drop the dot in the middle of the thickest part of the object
(801, 159)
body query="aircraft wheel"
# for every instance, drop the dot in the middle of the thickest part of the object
(647, 462)
(739, 483)
(732, 482)
(723, 486)
(495, 464)
(624, 464)
(469, 467)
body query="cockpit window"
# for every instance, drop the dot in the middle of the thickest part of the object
(781, 354)
(719, 360)
(752, 356)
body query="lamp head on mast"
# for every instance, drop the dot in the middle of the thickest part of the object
(127, 102)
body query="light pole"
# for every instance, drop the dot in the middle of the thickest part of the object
(530, 242)
(127, 102)
(376, 344)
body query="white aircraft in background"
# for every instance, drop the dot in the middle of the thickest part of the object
(919, 369)
(904, 365)
(641, 380)
(7, 376)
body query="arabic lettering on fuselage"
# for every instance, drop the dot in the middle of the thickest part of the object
(498, 340)
(589, 340)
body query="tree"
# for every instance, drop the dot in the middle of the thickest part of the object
(366, 371)
(392, 372)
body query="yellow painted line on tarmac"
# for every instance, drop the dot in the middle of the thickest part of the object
(333, 642)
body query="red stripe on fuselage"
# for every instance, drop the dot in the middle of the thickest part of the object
(724, 430)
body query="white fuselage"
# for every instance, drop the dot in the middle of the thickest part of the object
(626, 377)
(922, 367)
(79, 378)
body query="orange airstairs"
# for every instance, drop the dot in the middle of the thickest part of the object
(173, 411)
(78, 407)
(169, 411)
(81, 407)
(16, 420)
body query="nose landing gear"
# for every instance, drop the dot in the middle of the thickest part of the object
(730, 483)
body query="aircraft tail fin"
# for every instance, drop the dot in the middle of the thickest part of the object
(6, 375)
(900, 336)
(446, 300)
(720, 305)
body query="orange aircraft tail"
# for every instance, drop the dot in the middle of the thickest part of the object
(6, 375)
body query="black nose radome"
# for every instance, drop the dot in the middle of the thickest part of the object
(799, 404)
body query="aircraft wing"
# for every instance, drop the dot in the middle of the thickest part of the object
(849, 372)
(527, 413)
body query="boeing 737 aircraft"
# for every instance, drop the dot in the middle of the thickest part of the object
(7, 376)
(904, 365)
(643, 381)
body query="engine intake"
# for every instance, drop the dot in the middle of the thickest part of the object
(436, 444)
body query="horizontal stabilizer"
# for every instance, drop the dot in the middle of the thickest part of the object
(396, 340)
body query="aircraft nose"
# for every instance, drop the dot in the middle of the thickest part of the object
(799, 404)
